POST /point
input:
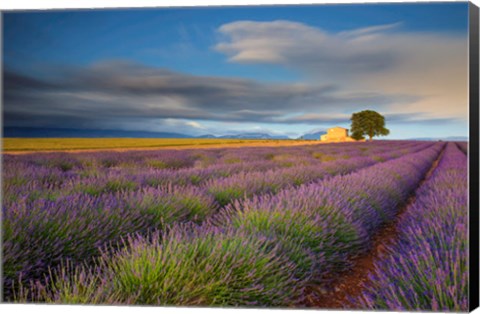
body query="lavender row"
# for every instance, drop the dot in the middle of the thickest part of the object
(189, 265)
(50, 184)
(249, 184)
(198, 158)
(264, 251)
(26, 175)
(428, 266)
(93, 163)
(41, 232)
(335, 218)
(162, 159)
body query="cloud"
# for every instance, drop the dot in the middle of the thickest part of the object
(317, 118)
(195, 125)
(369, 30)
(114, 93)
(381, 59)
(15, 81)
(411, 78)
(418, 118)
(308, 48)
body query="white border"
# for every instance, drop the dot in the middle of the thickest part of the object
(87, 4)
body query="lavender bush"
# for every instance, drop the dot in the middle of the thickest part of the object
(299, 235)
(41, 233)
(53, 212)
(427, 268)
(191, 266)
(332, 219)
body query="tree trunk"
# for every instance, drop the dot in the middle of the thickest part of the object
(371, 133)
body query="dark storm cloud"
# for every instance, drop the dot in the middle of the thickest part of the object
(14, 81)
(118, 91)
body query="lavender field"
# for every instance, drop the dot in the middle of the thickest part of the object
(257, 226)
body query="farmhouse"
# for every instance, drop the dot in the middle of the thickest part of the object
(336, 134)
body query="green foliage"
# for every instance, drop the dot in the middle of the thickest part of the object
(357, 136)
(232, 160)
(270, 156)
(111, 186)
(65, 166)
(119, 185)
(303, 236)
(368, 123)
(324, 157)
(215, 269)
(225, 195)
(156, 164)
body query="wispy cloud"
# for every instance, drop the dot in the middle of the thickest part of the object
(110, 92)
(308, 48)
(371, 30)
(382, 59)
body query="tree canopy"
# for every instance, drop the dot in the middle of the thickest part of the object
(368, 123)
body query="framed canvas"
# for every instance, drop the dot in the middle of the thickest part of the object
(301, 156)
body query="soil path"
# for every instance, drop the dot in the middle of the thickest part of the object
(350, 284)
(462, 149)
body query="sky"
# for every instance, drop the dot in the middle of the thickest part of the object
(282, 70)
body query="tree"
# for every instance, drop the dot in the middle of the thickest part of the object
(369, 123)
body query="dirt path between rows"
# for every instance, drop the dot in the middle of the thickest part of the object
(350, 284)
(460, 148)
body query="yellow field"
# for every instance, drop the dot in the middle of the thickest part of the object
(87, 144)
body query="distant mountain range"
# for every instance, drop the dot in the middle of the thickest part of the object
(93, 133)
(248, 136)
(313, 135)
